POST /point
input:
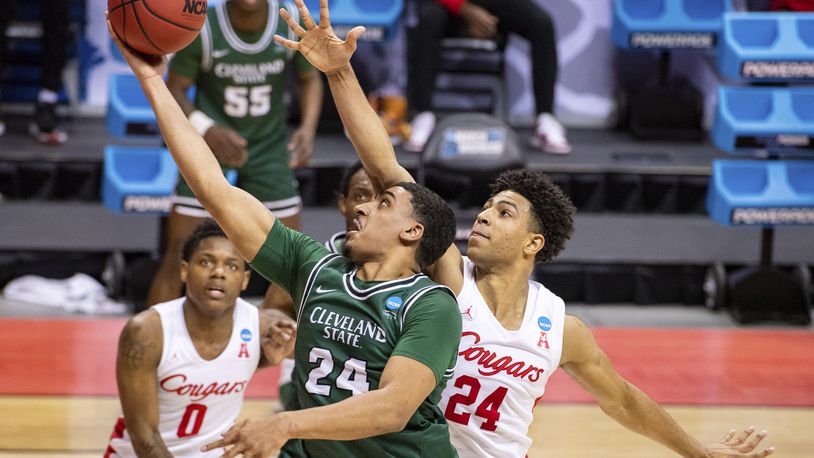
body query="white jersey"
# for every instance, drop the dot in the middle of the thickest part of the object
(500, 375)
(198, 399)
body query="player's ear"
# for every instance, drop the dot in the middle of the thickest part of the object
(246, 276)
(534, 244)
(413, 233)
(184, 271)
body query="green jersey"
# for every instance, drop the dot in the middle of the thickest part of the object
(241, 78)
(347, 329)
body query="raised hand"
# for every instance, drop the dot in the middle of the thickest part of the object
(143, 66)
(279, 337)
(318, 43)
(742, 445)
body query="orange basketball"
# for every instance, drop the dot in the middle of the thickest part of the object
(157, 26)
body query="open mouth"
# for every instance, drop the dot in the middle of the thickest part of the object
(215, 292)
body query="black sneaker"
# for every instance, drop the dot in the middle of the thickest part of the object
(45, 127)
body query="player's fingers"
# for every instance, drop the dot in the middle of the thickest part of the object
(354, 35)
(766, 452)
(233, 452)
(324, 15)
(287, 43)
(217, 444)
(305, 15)
(750, 444)
(728, 436)
(291, 23)
(743, 436)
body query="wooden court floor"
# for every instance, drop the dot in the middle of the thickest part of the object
(58, 395)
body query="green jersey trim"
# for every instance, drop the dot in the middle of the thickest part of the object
(241, 46)
(206, 47)
(364, 294)
(311, 278)
(333, 243)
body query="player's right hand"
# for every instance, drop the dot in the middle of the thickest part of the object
(480, 23)
(143, 66)
(228, 146)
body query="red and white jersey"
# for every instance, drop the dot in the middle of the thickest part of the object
(500, 374)
(198, 399)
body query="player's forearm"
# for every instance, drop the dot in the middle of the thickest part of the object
(311, 92)
(151, 446)
(365, 130)
(194, 158)
(370, 414)
(641, 414)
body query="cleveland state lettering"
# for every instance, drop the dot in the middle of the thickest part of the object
(176, 383)
(346, 329)
(491, 366)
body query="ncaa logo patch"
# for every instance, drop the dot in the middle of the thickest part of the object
(544, 323)
(245, 335)
(393, 303)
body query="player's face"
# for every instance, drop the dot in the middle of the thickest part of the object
(215, 276)
(249, 6)
(378, 225)
(501, 233)
(360, 191)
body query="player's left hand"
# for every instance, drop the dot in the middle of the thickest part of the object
(279, 338)
(301, 147)
(318, 43)
(741, 445)
(252, 438)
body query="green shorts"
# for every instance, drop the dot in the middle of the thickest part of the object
(265, 175)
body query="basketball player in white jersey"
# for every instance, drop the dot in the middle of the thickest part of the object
(515, 331)
(183, 365)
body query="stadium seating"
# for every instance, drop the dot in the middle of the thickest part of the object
(128, 111)
(667, 24)
(767, 47)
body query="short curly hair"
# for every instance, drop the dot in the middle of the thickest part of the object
(432, 212)
(208, 228)
(347, 174)
(552, 210)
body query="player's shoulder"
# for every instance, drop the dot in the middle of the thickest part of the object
(144, 333)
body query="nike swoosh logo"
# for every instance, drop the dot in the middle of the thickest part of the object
(320, 290)
(218, 53)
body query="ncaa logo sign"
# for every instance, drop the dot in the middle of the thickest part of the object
(544, 323)
(245, 335)
(393, 303)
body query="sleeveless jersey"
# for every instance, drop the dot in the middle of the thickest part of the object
(198, 399)
(241, 78)
(347, 330)
(500, 375)
(336, 244)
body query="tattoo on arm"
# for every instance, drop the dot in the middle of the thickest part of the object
(154, 448)
(132, 350)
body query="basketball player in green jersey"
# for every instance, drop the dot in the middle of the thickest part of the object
(376, 339)
(240, 76)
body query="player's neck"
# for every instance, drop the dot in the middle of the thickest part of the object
(247, 22)
(505, 291)
(210, 335)
(386, 269)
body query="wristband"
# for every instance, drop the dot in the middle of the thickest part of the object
(200, 121)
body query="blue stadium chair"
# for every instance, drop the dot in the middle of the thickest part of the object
(378, 16)
(128, 111)
(139, 179)
(774, 119)
(767, 47)
(762, 193)
(667, 24)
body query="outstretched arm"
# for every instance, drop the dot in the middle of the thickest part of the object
(586, 363)
(332, 56)
(243, 218)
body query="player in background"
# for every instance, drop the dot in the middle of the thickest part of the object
(240, 79)
(515, 332)
(355, 189)
(376, 339)
(183, 365)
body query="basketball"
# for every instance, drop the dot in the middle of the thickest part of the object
(157, 26)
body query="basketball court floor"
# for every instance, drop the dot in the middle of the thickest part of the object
(58, 390)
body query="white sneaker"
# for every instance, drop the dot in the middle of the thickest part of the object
(549, 135)
(420, 130)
